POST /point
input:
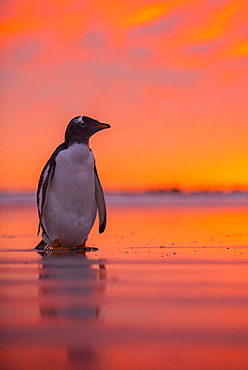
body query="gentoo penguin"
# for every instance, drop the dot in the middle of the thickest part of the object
(69, 190)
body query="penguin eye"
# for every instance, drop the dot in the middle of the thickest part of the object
(82, 124)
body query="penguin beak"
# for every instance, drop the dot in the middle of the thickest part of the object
(102, 125)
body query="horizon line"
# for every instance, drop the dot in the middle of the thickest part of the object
(148, 191)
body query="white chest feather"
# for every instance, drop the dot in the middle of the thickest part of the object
(74, 173)
(70, 208)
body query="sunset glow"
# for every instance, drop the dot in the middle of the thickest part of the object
(169, 77)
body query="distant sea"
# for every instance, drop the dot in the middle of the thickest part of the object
(160, 198)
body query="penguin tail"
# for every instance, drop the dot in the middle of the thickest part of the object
(42, 245)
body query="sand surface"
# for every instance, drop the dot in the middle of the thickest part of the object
(167, 288)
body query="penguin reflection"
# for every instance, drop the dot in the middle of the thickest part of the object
(70, 285)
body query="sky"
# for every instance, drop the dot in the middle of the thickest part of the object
(170, 77)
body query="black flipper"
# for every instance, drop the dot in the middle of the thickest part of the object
(100, 201)
(44, 182)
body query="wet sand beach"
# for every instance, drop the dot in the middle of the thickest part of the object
(166, 289)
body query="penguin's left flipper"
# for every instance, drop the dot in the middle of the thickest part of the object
(100, 201)
(42, 245)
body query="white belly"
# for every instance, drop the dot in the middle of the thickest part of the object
(70, 208)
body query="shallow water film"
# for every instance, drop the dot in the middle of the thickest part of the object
(166, 289)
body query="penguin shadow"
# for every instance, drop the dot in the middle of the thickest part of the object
(70, 285)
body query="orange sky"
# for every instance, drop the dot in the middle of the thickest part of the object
(170, 77)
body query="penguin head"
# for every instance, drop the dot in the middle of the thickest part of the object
(81, 128)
